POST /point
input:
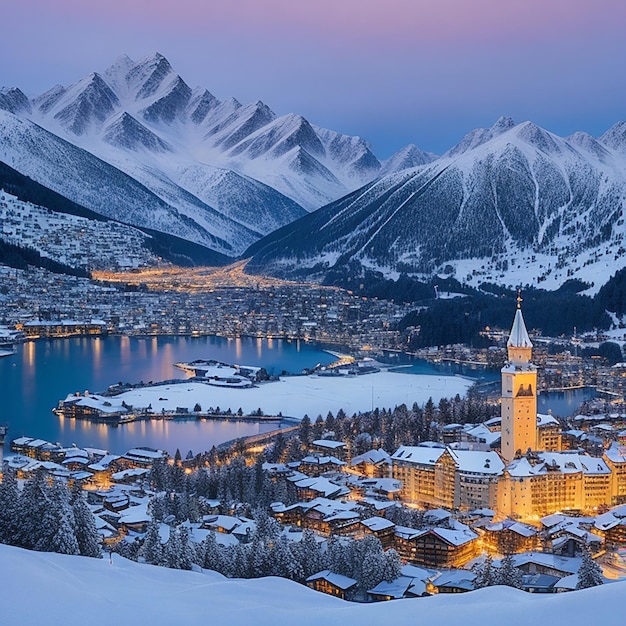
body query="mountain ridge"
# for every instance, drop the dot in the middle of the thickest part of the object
(511, 197)
(143, 119)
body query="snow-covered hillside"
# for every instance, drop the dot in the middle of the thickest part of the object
(513, 204)
(44, 588)
(72, 240)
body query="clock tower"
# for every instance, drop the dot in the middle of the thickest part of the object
(519, 392)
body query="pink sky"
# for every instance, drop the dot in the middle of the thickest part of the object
(392, 71)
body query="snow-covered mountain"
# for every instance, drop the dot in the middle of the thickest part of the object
(233, 172)
(512, 204)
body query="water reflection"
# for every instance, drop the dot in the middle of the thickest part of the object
(30, 348)
(43, 372)
(97, 354)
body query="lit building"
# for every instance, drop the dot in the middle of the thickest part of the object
(519, 393)
(533, 476)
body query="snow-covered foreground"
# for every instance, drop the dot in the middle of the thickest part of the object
(44, 588)
(293, 396)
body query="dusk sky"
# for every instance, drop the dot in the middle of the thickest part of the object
(391, 71)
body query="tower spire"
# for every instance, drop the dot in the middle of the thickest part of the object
(519, 335)
(519, 391)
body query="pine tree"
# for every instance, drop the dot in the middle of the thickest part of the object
(172, 553)
(86, 531)
(158, 476)
(9, 509)
(305, 430)
(309, 554)
(60, 517)
(259, 559)
(267, 528)
(508, 574)
(318, 428)
(392, 567)
(589, 573)
(485, 575)
(212, 557)
(35, 532)
(187, 552)
(283, 562)
(371, 571)
(330, 422)
(152, 549)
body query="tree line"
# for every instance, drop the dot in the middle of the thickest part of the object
(47, 516)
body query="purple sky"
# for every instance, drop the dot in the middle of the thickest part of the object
(391, 71)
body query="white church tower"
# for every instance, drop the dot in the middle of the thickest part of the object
(519, 392)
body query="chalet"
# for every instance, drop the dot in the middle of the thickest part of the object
(310, 488)
(379, 527)
(276, 470)
(135, 519)
(329, 447)
(402, 587)
(239, 527)
(539, 583)
(374, 464)
(451, 581)
(387, 488)
(612, 526)
(92, 406)
(406, 541)
(509, 536)
(75, 463)
(331, 583)
(63, 328)
(28, 446)
(289, 515)
(338, 522)
(103, 468)
(444, 548)
(317, 465)
(130, 476)
(542, 563)
(141, 458)
(116, 502)
(568, 536)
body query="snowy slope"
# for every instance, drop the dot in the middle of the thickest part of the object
(70, 239)
(91, 182)
(45, 588)
(513, 204)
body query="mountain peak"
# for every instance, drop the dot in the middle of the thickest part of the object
(587, 142)
(502, 124)
(14, 101)
(147, 76)
(615, 137)
(539, 137)
(405, 158)
(479, 136)
(129, 134)
(48, 99)
(201, 102)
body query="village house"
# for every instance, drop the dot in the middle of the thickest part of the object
(332, 584)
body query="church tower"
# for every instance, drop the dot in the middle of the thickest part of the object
(519, 392)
